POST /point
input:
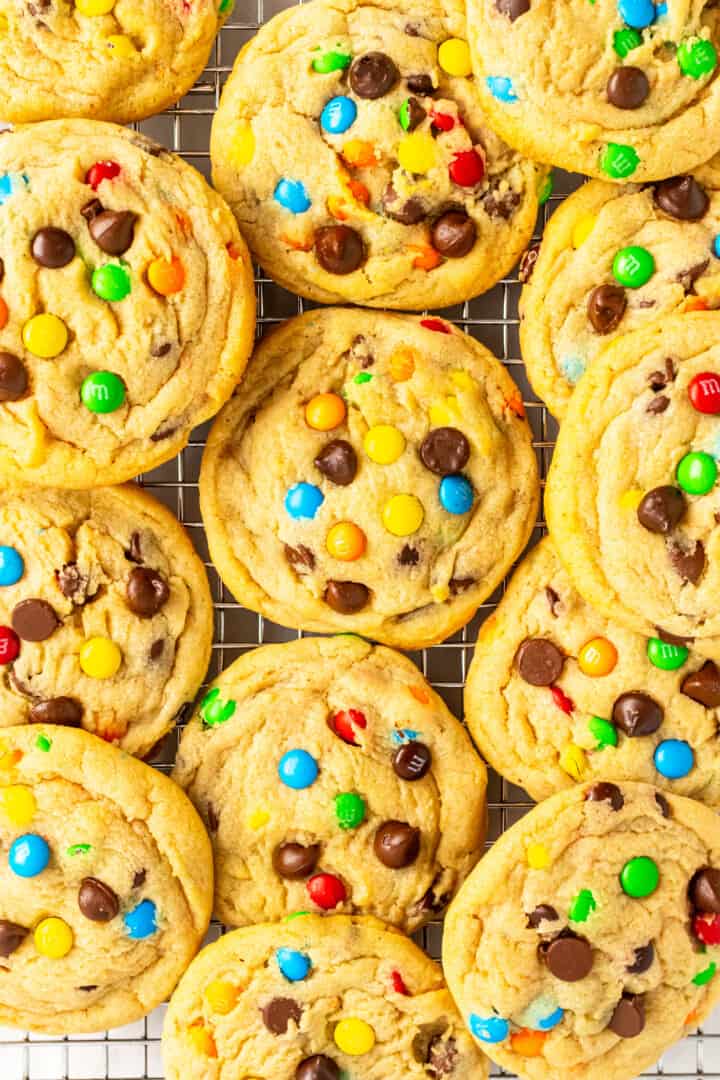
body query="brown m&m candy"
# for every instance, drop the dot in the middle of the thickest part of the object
(146, 591)
(662, 509)
(606, 307)
(278, 1013)
(339, 249)
(628, 1019)
(295, 861)
(338, 462)
(64, 711)
(397, 844)
(318, 1067)
(346, 597)
(52, 248)
(34, 620)
(627, 87)
(12, 936)
(412, 760)
(703, 685)
(568, 957)
(13, 377)
(539, 661)
(705, 890)
(682, 197)
(444, 450)
(373, 75)
(637, 714)
(453, 234)
(97, 901)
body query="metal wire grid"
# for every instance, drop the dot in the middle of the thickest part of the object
(133, 1052)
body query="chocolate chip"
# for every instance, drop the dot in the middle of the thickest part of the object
(64, 711)
(662, 804)
(34, 620)
(397, 844)
(627, 87)
(318, 1067)
(278, 1013)
(72, 583)
(604, 792)
(212, 818)
(300, 558)
(673, 639)
(433, 900)
(637, 714)
(415, 113)
(113, 230)
(443, 1056)
(339, 249)
(512, 8)
(703, 685)
(445, 450)
(682, 197)
(424, 1038)
(164, 432)
(408, 212)
(705, 890)
(628, 1019)
(91, 209)
(338, 461)
(553, 599)
(2, 269)
(501, 206)
(295, 861)
(52, 248)
(139, 878)
(453, 234)
(134, 552)
(688, 277)
(373, 75)
(568, 957)
(13, 377)
(146, 591)
(606, 307)
(687, 558)
(420, 84)
(161, 350)
(97, 901)
(659, 379)
(408, 556)
(412, 760)
(662, 509)
(157, 649)
(542, 913)
(539, 661)
(657, 405)
(644, 957)
(412, 29)
(458, 585)
(12, 936)
(346, 597)
(527, 263)
(87, 989)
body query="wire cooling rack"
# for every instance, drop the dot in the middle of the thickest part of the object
(133, 1052)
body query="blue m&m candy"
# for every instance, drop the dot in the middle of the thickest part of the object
(292, 195)
(141, 922)
(716, 245)
(637, 13)
(298, 769)
(501, 87)
(489, 1029)
(29, 855)
(542, 1014)
(456, 494)
(303, 500)
(338, 115)
(12, 566)
(294, 965)
(11, 184)
(674, 758)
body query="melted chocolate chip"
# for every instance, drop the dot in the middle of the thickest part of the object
(673, 639)
(278, 1013)
(644, 957)
(433, 900)
(157, 649)
(97, 901)
(539, 661)
(13, 377)
(454, 234)
(704, 891)
(212, 818)
(339, 249)
(12, 936)
(420, 84)
(338, 462)
(412, 760)
(527, 263)
(628, 1019)
(542, 913)
(501, 206)
(64, 711)
(662, 509)
(139, 878)
(553, 599)
(682, 197)
(407, 212)
(627, 87)
(113, 230)
(72, 583)
(568, 957)
(295, 861)
(134, 551)
(687, 558)
(443, 1056)
(606, 307)
(415, 113)
(458, 585)
(396, 844)
(373, 75)
(703, 685)
(161, 350)
(662, 804)
(659, 379)
(445, 450)
(34, 620)
(637, 714)
(346, 597)
(300, 558)
(657, 405)
(146, 592)
(318, 1067)
(687, 278)
(408, 556)
(512, 8)
(52, 248)
(605, 792)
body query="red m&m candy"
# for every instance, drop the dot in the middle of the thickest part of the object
(9, 645)
(704, 392)
(101, 170)
(344, 722)
(562, 700)
(327, 891)
(467, 168)
(442, 121)
(398, 984)
(707, 929)
(435, 324)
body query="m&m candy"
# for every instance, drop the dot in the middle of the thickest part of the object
(454, 57)
(18, 804)
(349, 810)
(29, 855)
(674, 758)
(597, 657)
(94, 7)
(298, 769)
(101, 170)
(221, 996)
(166, 276)
(45, 336)
(604, 733)
(618, 160)
(9, 645)
(303, 500)
(625, 40)
(637, 13)
(100, 658)
(327, 891)
(633, 266)
(501, 87)
(325, 412)
(292, 195)
(456, 494)
(354, 1037)
(242, 147)
(346, 541)
(332, 60)
(294, 965)
(384, 444)
(489, 1029)
(121, 45)
(697, 472)
(704, 392)
(697, 58)
(417, 152)
(111, 282)
(102, 392)
(640, 877)
(467, 168)
(403, 515)
(141, 921)
(12, 566)
(665, 656)
(53, 938)
(338, 115)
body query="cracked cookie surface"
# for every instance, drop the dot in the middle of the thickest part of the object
(374, 473)
(105, 882)
(105, 613)
(126, 303)
(586, 941)
(316, 999)
(332, 777)
(352, 147)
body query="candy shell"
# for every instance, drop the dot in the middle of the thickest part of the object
(665, 656)
(327, 891)
(338, 115)
(29, 855)
(294, 965)
(640, 877)
(325, 412)
(456, 494)
(417, 152)
(697, 472)
(102, 392)
(597, 657)
(53, 938)
(45, 336)
(674, 758)
(384, 444)
(292, 195)
(298, 769)
(454, 58)
(704, 392)
(18, 804)
(489, 1029)
(501, 87)
(9, 645)
(111, 282)
(100, 658)
(354, 1037)
(697, 58)
(12, 566)
(303, 500)
(141, 921)
(403, 515)
(637, 13)
(619, 160)
(346, 541)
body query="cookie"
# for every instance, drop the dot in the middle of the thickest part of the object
(105, 614)
(332, 777)
(104, 59)
(614, 259)
(126, 304)
(622, 90)
(557, 694)
(631, 499)
(588, 940)
(352, 146)
(374, 473)
(316, 999)
(105, 882)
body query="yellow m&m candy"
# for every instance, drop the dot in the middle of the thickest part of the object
(94, 7)
(202, 1041)
(573, 761)
(538, 857)
(242, 147)
(402, 364)
(454, 57)
(346, 541)
(100, 658)
(121, 45)
(325, 412)
(18, 804)
(45, 336)
(597, 657)
(417, 152)
(384, 444)
(53, 938)
(582, 229)
(354, 1037)
(221, 996)
(403, 515)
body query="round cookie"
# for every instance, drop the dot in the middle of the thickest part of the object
(316, 999)
(374, 473)
(351, 145)
(557, 694)
(105, 882)
(587, 941)
(105, 613)
(120, 60)
(613, 259)
(631, 499)
(126, 304)
(332, 778)
(620, 90)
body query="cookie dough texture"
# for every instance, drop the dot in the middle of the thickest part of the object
(524, 733)
(579, 245)
(135, 60)
(629, 424)
(356, 963)
(139, 838)
(268, 128)
(114, 564)
(414, 376)
(316, 694)
(178, 352)
(494, 960)
(549, 84)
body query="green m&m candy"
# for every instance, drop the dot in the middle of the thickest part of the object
(582, 906)
(697, 59)
(214, 710)
(625, 40)
(111, 282)
(633, 266)
(706, 975)
(665, 656)
(603, 732)
(640, 877)
(349, 810)
(332, 60)
(546, 190)
(697, 473)
(102, 392)
(619, 161)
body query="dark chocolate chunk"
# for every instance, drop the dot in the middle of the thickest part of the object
(637, 714)
(34, 620)
(703, 685)
(687, 558)
(338, 462)
(539, 661)
(65, 711)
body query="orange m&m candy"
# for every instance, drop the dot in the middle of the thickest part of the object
(597, 657)
(3, 313)
(325, 412)
(166, 276)
(346, 541)
(528, 1043)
